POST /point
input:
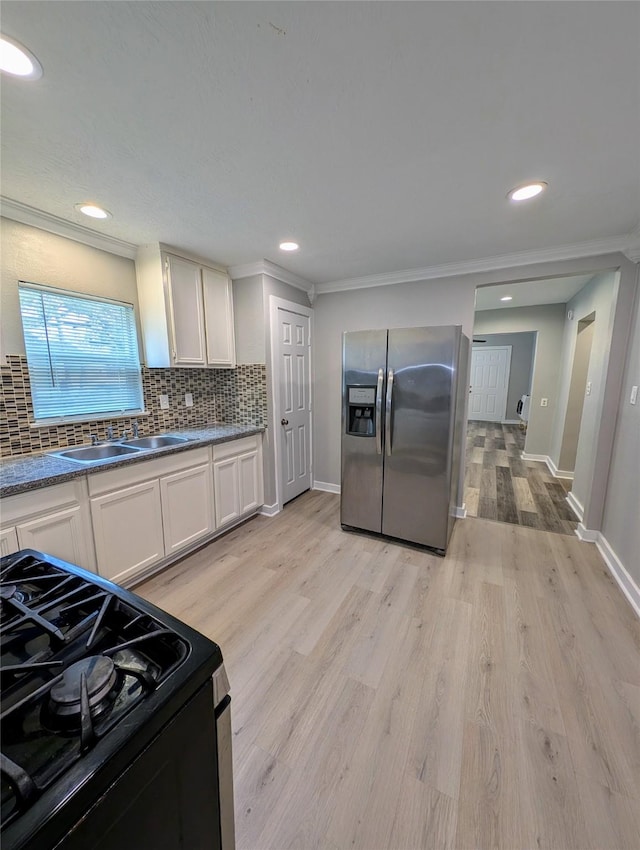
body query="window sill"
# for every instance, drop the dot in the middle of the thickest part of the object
(76, 420)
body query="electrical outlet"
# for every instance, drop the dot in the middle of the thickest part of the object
(544, 402)
(588, 387)
(164, 402)
(188, 399)
(634, 395)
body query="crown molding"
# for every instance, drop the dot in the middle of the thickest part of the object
(277, 272)
(17, 211)
(614, 244)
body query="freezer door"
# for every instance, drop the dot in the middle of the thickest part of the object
(364, 357)
(419, 407)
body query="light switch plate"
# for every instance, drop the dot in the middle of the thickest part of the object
(164, 402)
(188, 399)
(544, 402)
(634, 395)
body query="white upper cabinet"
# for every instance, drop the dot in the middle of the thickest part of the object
(186, 310)
(218, 318)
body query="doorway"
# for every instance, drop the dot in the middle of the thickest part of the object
(579, 389)
(291, 390)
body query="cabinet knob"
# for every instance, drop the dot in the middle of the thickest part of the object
(284, 421)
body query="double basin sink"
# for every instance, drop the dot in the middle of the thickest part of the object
(107, 451)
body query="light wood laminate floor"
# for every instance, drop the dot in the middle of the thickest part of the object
(500, 485)
(388, 699)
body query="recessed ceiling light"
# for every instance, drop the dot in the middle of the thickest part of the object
(289, 246)
(507, 298)
(17, 60)
(93, 211)
(526, 191)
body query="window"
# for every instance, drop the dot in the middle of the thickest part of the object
(82, 354)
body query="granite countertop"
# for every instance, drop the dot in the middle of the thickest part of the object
(29, 472)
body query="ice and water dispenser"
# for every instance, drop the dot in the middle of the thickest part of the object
(361, 404)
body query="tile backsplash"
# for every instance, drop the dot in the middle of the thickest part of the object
(231, 396)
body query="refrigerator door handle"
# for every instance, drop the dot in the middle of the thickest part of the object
(387, 424)
(379, 411)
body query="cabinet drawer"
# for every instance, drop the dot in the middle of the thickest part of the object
(236, 447)
(126, 476)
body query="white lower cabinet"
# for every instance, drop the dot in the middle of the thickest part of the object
(227, 490)
(8, 541)
(142, 514)
(250, 475)
(187, 507)
(54, 520)
(237, 476)
(59, 534)
(127, 529)
(147, 513)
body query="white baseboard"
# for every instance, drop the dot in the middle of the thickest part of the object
(553, 469)
(460, 511)
(622, 578)
(326, 486)
(587, 535)
(269, 510)
(527, 456)
(575, 506)
(511, 421)
(558, 473)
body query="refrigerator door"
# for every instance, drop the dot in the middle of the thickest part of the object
(364, 357)
(420, 409)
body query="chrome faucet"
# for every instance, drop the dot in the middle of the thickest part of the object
(110, 432)
(134, 427)
(125, 434)
(94, 439)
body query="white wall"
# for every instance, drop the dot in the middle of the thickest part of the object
(548, 321)
(40, 257)
(621, 525)
(405, 305)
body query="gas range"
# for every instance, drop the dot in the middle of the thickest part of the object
(91, 675)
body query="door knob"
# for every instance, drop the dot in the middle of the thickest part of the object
(284, 421)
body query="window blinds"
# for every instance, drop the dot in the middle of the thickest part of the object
(82, 353)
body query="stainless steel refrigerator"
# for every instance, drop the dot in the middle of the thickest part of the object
(403, 407)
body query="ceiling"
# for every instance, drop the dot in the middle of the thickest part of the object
(557, 290)
(380, 136)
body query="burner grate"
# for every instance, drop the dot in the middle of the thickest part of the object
(76, 660)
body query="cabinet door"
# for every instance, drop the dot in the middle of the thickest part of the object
(226, 489)
(186, 312)
(8, 541)
(127, 527)
(60, 534)
(250, 482)
(187, 507)
(218, 318)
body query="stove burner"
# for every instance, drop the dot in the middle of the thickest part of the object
(98, 673)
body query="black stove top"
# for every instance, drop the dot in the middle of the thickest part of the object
(79, 657)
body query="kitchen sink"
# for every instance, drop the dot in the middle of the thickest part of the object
(86, 454)
(160, 441)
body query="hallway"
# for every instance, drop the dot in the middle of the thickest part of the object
(500, 485)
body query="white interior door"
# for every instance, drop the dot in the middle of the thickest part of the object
(489, 382)
(294, 414)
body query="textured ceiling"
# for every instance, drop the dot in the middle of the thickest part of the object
(381, 136)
